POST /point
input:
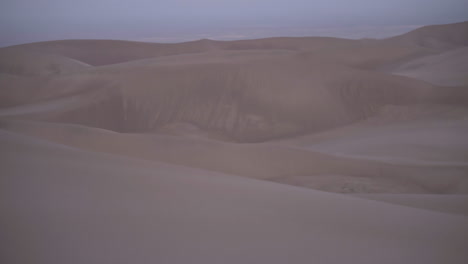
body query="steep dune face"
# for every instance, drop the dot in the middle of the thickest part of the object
(249, 101)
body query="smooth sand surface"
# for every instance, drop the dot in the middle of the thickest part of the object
(276, 150)
(448, 68)
(457, 204)
(74, 206)
(276, 162)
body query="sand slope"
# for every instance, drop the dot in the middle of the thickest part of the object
(24, 63)
(282, 163)
(447, 68)
(248, 101)
(129, 152)
(103, 209)
(436, 36)
(455, 204)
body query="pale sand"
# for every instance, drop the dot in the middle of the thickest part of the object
(457, 204)
(67, 205)
(277, 162)
(448, 68)
(131, 152)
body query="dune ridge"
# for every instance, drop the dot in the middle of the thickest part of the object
(253, 101)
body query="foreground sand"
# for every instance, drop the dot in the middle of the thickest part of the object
(74, 206)
(220, 152)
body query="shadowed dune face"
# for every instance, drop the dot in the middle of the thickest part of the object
(248, 101)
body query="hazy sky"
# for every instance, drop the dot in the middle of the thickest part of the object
(36, 20)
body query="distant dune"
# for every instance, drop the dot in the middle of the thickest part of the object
(249, 101)
(447, 68)
(275, 150)
(24, 63)
(436, 36)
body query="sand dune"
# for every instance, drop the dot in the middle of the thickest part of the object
(129, 152)
(449, 68)
(455, 204)
(281, 163)
(436, 36)
(24, 63)
(364, 53)
(441, 137)
(100, 52)
(96, 208)
(248, 101)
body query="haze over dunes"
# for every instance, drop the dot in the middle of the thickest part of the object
(275, 150)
